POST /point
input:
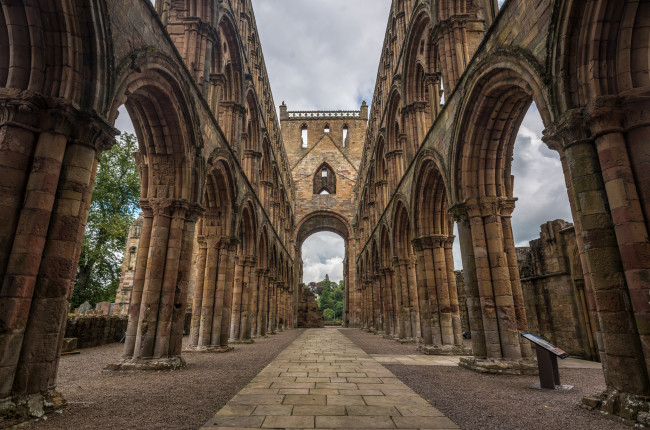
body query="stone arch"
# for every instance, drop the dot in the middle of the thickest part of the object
(231, 94)
(405, 275)
(324, 179)
(387, 280)
(421, 77)
(247, 230)
(251, 154)
(396, 139)
(245, 274)
(595, 47)
(500, 92)
(165, 126)
(322, 220)
(430, 200)
(381, 169)
(209, 325)
(437, 292)
(70, 38)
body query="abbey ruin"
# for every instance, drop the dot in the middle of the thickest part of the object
(232, 183)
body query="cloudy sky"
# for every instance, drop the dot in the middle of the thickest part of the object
(324, 54)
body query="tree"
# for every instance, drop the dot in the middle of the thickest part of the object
(330, 298)
(328, 314)
(114, 205)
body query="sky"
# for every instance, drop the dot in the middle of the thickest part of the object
(324, 54)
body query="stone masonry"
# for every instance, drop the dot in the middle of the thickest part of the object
(224, 210)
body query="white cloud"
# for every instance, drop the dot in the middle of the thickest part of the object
(323, 253)
(322, 54)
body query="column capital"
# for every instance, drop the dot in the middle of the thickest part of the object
(483, 207)
(570, 128)
(431, 241)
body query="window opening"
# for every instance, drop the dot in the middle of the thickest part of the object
(345, 136)
(324, 180)
(327, 128)
(303, 134)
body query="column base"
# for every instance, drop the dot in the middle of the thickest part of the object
(380, 333)
(166, 363)
(444, 350)
(500, 366)
(241, 341)
(18, 409)
(271, 332)
(405, 340)
(629, 409)
(210, 349)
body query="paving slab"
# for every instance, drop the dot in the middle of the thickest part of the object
(324, 381)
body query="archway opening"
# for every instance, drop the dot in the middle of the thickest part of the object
(323, 255)
(503, 169)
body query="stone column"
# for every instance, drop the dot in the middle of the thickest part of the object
(390, 292)
(209, 292)
(237, 298)
(423, 293)
(500, 323)
(453, 292)
(474, 308)
(272, 305)
(159, 331)
(181, 291)
(620, 126)
(48, 159)
(414, 301)
(262, 303)
(513, 269)
(197, 299)
(401, 287)
(225, 285)
(622, 352)
(138, 280)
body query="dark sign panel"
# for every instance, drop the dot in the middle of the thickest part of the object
(546, 345)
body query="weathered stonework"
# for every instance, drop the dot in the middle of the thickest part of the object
(220, 198)
(309, 316)
(123, 293)
(557, 305)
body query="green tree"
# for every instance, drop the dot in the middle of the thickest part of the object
(330, 300)
(328, 314)
(114, 204)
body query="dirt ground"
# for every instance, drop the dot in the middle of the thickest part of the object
(477, 401)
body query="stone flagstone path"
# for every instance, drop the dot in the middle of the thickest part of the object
(323, 380)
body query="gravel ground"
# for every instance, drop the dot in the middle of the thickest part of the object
(476, 401)
(182, 399)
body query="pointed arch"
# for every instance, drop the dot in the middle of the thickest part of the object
(324, 179)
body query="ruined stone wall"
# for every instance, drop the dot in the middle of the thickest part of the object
(96, 330)
(123, 293)
(309, 316)
(553, 287)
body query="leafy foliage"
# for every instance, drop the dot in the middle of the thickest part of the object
(330, 299)
(115, 203)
